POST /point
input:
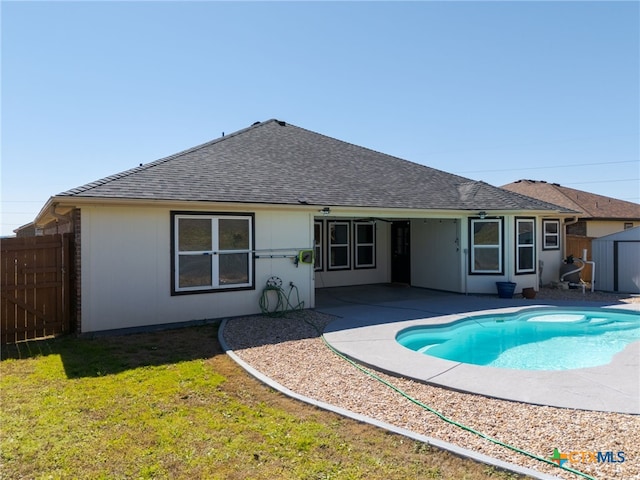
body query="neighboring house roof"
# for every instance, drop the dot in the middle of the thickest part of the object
(590, 205)
(276, 163)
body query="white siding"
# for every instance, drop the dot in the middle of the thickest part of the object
(126, 264)
(126, 268)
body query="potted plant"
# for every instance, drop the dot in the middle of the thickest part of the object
(506, 289)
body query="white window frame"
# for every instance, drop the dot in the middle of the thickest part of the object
(358, 243)
(333, 245)
(520, 247)
(498, 246)
(214, 253)
(546, 235)
(318, 245)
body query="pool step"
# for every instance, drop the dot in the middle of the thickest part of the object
(427, 347)
(600, 321)
(559, 318)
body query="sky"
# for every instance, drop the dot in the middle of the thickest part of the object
(493, 91)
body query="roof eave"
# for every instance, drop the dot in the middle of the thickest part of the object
(48, 212)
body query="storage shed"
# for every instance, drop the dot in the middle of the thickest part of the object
(617, 259)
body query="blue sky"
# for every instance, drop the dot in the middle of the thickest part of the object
(494, 91)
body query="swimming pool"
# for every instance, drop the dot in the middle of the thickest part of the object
(538, 339)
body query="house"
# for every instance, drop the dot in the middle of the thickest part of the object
(197, 235)
(597, 216)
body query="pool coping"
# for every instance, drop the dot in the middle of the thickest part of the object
(614, 387)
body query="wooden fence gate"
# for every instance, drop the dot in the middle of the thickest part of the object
(35, 300)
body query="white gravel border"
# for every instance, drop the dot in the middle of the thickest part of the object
(463, 452)
(289, 355)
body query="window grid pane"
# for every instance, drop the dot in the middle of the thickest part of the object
(233, 268)
(233, 234)
(486, 260)
(194, 234)
(194, 271)
(525, 259)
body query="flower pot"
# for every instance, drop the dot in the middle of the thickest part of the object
(529, 292)
(506, 289)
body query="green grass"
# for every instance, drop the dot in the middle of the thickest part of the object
(172, 405)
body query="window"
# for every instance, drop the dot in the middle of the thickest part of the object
(486, 245)
(365, 245)
(551, 234)
(317, 245)
(628, 225)
(338, 245)
(211, 252)
(525, 245)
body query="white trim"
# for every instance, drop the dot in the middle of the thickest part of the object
(498, 246)
(357, 244)
(531, 246)
(331, 245)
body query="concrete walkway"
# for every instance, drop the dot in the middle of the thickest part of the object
(371, 316)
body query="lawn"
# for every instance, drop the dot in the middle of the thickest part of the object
(172, 405)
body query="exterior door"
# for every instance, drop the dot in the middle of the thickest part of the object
(400, 252)
(626, 268)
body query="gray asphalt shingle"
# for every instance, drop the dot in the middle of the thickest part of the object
(277, 163)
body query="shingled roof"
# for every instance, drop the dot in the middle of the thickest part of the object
(277, 163)
(590, 205)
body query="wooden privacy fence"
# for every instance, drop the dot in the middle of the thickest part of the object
(35, 299)
(575, 245)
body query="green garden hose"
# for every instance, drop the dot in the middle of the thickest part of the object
(440, 415)
(282, 303)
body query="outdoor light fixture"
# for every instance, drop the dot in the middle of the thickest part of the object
(325, 211)
(482, 215)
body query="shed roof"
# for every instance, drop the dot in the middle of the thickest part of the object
(274, 162)
(590, 205)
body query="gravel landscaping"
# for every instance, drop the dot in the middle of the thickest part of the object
(290, 351)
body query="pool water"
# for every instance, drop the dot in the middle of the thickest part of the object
(538, 339)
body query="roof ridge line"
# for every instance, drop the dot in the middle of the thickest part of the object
(541, 203)
(561, 189)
